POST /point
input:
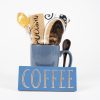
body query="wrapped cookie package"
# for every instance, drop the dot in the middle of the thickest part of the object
(44, 28)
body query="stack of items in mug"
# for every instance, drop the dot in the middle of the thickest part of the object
(44, 28)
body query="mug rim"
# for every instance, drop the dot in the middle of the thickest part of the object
(45, 45)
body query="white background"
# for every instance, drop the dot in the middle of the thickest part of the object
(83, 31)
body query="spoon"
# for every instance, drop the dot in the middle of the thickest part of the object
(66, 46)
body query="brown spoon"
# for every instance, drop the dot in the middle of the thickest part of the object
(66, 46)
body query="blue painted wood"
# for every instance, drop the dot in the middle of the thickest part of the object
(47, 79)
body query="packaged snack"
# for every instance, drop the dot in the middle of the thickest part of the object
(54, 31)
(37, 28)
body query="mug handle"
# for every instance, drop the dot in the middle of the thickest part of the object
(70, 56)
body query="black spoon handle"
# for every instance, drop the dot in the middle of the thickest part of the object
(64, 59)
(66, 46)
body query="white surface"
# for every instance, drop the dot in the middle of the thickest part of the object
(83, 31)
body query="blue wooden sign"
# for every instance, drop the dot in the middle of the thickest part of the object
(47, 79)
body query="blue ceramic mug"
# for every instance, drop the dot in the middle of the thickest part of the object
(47, 55)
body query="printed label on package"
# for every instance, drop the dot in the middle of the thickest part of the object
(47, 79)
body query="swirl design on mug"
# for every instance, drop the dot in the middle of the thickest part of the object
(49, 16)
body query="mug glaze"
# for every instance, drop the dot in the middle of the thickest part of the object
(47, 55)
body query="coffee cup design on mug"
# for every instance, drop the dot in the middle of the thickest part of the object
(47, 55)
